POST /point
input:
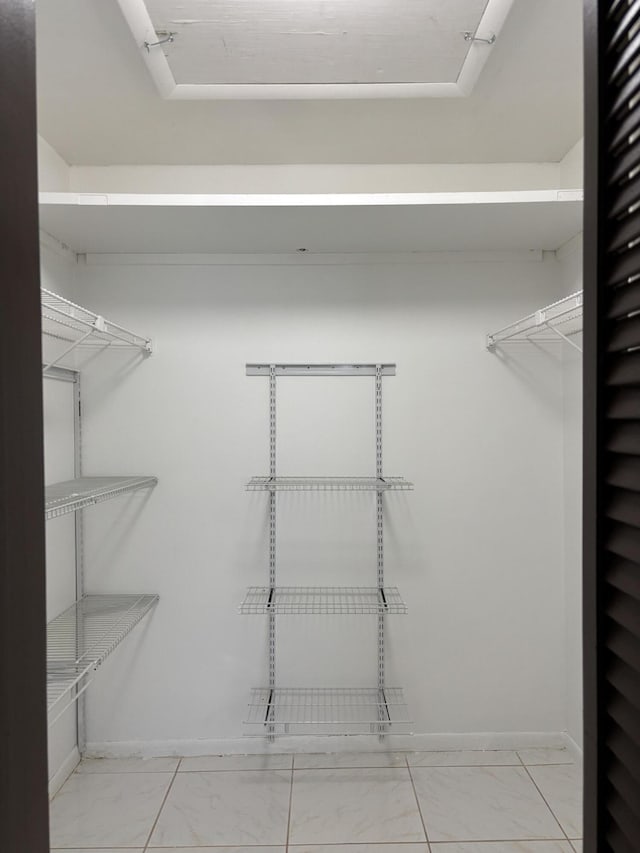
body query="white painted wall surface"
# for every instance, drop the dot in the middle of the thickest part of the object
(57, 271)
(571, 271)
(329, 178)
(53, 171)
(476, 549)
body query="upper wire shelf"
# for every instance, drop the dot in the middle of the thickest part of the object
(328, 484)
(66, 321)
(289, 600)
(327, 711)
(558, 321)
(82, 637)
(72, 495)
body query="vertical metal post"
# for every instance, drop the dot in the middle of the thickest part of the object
(272, 547)
(380, 544)
(81, 729)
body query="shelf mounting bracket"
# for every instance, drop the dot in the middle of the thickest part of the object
(472, 37)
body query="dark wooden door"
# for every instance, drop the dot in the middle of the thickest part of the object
(612, 427)
(23, 746)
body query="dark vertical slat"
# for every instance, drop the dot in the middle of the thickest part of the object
(23, 747)
(594, 820)
(612, 432)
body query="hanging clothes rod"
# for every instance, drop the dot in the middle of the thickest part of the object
(557, 322)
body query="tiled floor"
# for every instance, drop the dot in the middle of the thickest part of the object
(391, 802)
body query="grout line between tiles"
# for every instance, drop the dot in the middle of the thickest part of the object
(415, 794)
(526, 770)
(286, 844)
(164, 800)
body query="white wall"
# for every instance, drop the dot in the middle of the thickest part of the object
(476, 549)
(332, 178)
(53, 171)
(57, 270)
(571, 271)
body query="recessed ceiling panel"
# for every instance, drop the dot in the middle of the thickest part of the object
(263, 42)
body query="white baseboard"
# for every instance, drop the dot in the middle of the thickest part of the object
(574, 749)
(65, 770)
(361, 743)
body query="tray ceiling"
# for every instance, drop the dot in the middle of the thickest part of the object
(98, 104)
(314, 48)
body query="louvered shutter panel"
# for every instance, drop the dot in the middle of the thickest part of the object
(612, 439)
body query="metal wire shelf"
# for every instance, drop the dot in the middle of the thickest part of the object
(327, 710)
(290, 600)
(83, 636)
(558, 321)
(328, 484)
(66, 321)
(72, 495)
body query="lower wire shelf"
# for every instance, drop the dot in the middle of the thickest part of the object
(328, 484)
(82, 637)
(327, 711)
(290, 600)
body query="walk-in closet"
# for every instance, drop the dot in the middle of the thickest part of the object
(312, 320)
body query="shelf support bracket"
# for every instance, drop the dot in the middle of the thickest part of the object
(472, 37)
(564, 337)
(67, 351)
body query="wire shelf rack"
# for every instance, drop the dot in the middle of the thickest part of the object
(72, 495)
(67, 321)
(290, 600)
(327, 710)
(82, 637)
(558, 321)
(328, 484)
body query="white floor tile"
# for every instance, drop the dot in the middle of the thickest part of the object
(504, 847)
(577, 846)
(482, 804)
(127, 765)
(100, 850)
(349, 759)
(561, 786)
(359, 848)
(236, 762)
(545, 756)
(252, 849)
(349, 806)
(103, 810)
(232, 808)
(463, 758)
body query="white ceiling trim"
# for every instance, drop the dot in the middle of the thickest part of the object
(137, 17)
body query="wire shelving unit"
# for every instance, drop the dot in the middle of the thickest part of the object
(80, 327)
(85, 634)
(337, 600)
(82, 637)
(275, 710)
(327, 484)
(72, 495)
(559, 321)
(327, 710)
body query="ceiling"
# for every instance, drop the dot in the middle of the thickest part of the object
(316, 41)
(98, 104)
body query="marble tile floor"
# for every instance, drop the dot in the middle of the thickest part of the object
(502, 801)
